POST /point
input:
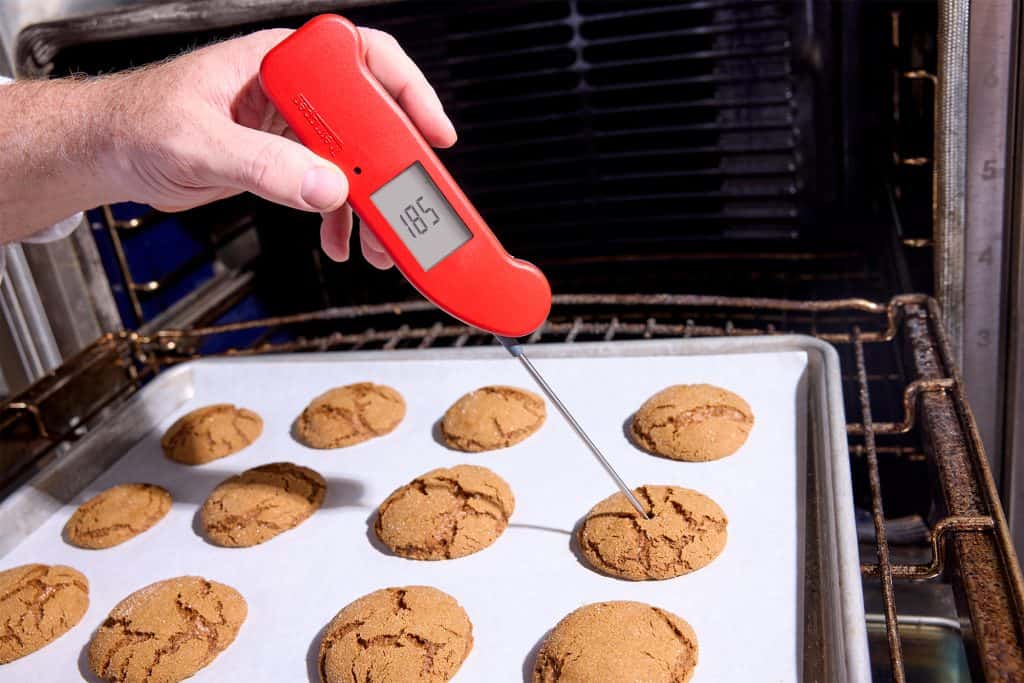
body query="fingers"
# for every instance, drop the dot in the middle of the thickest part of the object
(406, 83)
(275, 168)
(248, 51)
(373, 251)
(335, 233)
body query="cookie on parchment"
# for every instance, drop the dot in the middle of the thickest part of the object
(258, 504)
(492, 417)
(349, 415)
(686, 531)
(415, 633)
(618, 641)
(211, 432)
(116, 515)
(694, 422)
(38, 604)
(445, 513)
(167, 631)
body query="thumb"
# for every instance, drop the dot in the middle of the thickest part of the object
(278, 169)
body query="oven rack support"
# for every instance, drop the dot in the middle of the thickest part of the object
(970, 544)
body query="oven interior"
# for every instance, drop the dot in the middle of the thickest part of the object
(711, 147)
(662, 162)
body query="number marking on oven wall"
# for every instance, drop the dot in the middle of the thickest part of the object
(988, 106)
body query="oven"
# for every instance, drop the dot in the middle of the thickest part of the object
(677, 169)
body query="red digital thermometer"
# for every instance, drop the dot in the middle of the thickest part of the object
(319, 82)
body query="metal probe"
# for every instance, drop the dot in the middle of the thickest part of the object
(516, 349)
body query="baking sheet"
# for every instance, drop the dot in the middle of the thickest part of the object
(745, 607)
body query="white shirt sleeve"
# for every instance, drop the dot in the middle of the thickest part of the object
(51, 234)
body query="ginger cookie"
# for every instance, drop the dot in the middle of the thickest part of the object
(491, 418)
(415, 633)
(686, 531)
(446, 513)
(694, 422)
(349, 415)
(618, 641)
(116, 515)
(211, 432)
(166, 631)
(258, 504)
(38, 604)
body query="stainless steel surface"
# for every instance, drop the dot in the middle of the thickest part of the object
(97, 286)
(56, 300)
(515, 348)
(66, 294)
(834, 643)
(988, 105)
(949, 172)
(929, 629)
(1013, 436)
(17, 14)
(22, 310)
(122, 18)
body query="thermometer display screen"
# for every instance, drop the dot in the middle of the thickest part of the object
(421, 216)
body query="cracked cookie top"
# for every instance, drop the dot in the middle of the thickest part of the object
(116, 515)
(686, 531)
(415, 633)
(258, 504)
(166, 631)
(695, 422)
(349, 415)
(211, 432)
(492, 417)
(445, 513)
(38, 604)
(618, 641)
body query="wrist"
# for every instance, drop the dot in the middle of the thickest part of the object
(104, 149)
(60, 151)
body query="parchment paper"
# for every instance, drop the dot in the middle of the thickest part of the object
(744, 607)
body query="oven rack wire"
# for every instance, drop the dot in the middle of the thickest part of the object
(970, 544)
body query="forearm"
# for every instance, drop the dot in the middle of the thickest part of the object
(59, 142)
(183, 133)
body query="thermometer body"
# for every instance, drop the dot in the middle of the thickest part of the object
(319, 82)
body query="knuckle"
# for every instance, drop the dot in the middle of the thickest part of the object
(273, 35)
(387, 39)
(259, 43)
(258, 170)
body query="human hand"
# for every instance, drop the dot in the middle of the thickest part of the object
(199, 128)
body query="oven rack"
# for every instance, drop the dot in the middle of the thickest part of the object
(899, 379)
